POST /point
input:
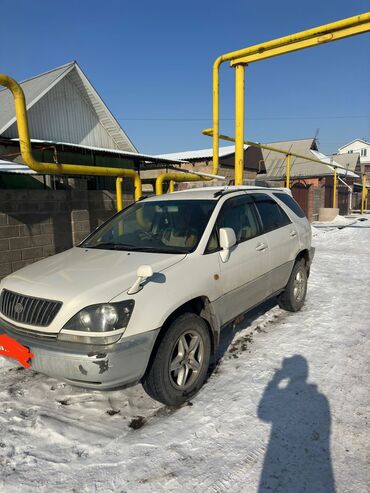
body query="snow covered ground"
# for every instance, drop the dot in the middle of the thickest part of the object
(253, 427)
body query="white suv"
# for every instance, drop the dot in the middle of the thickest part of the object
(145, 296)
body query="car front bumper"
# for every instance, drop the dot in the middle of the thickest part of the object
(91, 366)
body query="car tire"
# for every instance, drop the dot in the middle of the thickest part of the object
(179, 366)
(293, 297)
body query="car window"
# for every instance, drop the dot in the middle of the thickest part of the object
(213, 244)
(272, 215)
(162, 226)
(291, 203)
(239, 214)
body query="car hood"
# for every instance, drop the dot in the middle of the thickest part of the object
(85, 276)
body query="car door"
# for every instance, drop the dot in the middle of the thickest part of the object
(244, 277)
(282, 239)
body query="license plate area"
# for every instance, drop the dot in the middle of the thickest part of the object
(10, 348)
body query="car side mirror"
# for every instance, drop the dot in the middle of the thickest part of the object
(227, 241)
(143, 273)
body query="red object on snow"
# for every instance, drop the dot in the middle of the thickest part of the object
(13, 349)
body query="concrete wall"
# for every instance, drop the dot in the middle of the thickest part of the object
(35, 224)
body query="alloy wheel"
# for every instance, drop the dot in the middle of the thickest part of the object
(186, 360)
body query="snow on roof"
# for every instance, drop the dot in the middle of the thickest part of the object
(11, 167)
(200, 153)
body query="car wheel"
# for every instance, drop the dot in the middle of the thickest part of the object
(179, 367)
(294, 295)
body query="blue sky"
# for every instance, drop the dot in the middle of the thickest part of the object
(151, 61)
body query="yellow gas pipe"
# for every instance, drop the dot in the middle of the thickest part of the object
(52, 168)
(298, 41)
(119, 198)
(239, 124)
(209, 133)
(175, 177)
(288, 156)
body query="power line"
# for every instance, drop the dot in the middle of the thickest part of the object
(333, 117)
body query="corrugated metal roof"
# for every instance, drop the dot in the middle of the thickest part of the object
(276, 162)
(349, 161)
(201, 154)
(132, 155)
(33, 89)
(74, 112)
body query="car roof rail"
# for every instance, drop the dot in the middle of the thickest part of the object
(221, 193)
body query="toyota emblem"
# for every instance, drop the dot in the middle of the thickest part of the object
(18, 308)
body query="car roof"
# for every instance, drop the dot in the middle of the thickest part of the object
(212, 193)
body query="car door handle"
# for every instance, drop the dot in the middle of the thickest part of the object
(293, 234)
(261, 247)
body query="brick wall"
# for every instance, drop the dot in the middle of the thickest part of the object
(35, 224)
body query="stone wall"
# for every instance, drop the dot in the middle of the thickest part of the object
(35, 224)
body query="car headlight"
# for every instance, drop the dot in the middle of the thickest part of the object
(109, 319)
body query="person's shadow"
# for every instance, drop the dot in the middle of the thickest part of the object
(298, 454)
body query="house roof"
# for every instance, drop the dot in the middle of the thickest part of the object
(48, 109)
(136, 156)
(200, 154)
(353, 141)
(33, 89)
(11, 167)
(347, 161)
(299, 168)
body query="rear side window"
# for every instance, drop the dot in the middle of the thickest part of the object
(239, 214)
(291, 203)
(272, 215)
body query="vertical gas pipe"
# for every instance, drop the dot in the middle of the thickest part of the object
(239, 124)
(288, 156)
(119, 199)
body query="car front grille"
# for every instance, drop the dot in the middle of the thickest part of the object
(27, 309)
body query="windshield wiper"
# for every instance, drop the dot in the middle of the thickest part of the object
(159, 249)
(133, 248)
(111, 246)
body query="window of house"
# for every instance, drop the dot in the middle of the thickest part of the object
(272, 215)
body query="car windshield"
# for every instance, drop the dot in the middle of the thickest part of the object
(162, 226)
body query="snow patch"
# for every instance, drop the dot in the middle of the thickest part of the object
(56, 437)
